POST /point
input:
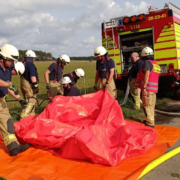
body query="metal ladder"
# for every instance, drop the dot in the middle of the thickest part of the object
(112, 25)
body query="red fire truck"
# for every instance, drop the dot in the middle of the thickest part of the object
(158, 29)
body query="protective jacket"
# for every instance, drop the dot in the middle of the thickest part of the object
(152, 85)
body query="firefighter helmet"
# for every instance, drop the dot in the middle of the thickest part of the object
(30, 53)
(19, 67)
(147, 51)
(80, 73)
(100, 51)
(9, 52)
(64, 59)
(65, 80)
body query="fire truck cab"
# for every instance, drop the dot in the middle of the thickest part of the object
(158, 29)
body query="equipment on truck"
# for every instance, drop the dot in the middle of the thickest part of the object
(159, 29)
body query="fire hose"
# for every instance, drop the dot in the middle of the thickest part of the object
(39, 104)
(158, 111)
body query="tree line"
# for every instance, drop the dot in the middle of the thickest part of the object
(47, 56)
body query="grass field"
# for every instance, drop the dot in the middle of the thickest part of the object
(89, 68)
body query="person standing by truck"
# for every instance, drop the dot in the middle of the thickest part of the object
(105, 68)
(135, 92)
(147, 81)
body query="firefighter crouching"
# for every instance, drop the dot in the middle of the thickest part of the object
(53, 76)
(8, 55)
(147, 81)
(135, 92)
(104, 72)
(75, 75)
(29, 83)
(69, 88)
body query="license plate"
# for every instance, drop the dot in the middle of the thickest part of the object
(164, 69)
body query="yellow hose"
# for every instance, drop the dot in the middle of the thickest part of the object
(160, 160)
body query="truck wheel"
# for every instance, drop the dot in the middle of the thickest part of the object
(176, 94)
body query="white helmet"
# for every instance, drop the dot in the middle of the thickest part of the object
(65, 80)
(30, 53)
(147, 51)
(19, 67)
(64, 59)
(80, 73)
(8, 51)
(100, 51)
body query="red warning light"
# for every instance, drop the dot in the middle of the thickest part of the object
(134, 18)
(126, 20)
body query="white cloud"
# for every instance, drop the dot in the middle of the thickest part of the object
(72, 27)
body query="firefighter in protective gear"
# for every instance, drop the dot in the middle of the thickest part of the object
(75, 75)
(135, 92)
(147, 81)
(69, 88)
(105, 68)
(29, 83)
(8, 55)
(53, 76)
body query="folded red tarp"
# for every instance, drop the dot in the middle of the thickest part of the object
(89, 127)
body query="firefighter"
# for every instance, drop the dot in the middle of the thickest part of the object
(69, 88)
(53, 76)
(104, 72)
(135, 92)
(75, 75)
(29, 83)
(147, 81)
(8, 55)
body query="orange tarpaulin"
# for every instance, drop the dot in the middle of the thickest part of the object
(37, 164)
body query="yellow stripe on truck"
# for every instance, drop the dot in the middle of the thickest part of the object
(178, 53)
(177, 44)
(167, 33)
(168, 29)
(112, 51)
(118, 67)
(165, 45)
(167, 53)
(174, 61)
(167, 38)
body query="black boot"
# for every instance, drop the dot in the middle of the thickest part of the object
(144, 122)
(19, 149)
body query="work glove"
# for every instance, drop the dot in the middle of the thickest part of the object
(22, 102)
(35, 87)
(106, 85)
(13, 88)
(48, 87)
(95, 87)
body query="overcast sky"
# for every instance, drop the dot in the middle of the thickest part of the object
(71, 27)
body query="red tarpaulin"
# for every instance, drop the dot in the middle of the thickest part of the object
(89, 127)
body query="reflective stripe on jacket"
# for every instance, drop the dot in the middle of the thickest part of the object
(152, 85)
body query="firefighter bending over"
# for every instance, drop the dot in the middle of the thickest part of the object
(8, 55)
(135, 92)
(75, 75)
(147, 81)
(69, 89)
(104, 72)
(29, 83)
(53, 76)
